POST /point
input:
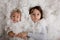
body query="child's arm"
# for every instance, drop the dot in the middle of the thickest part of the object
(22, 34)
(11, 34)
(19, 35)
(9, 31)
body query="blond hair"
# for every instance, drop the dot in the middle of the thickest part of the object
(14, 11)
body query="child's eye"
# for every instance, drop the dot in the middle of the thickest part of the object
(33, 14)
(37, 14)
(13, 16)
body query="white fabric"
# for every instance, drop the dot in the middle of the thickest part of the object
(17, 28)
(38, 30)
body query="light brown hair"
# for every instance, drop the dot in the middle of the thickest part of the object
(14, 11)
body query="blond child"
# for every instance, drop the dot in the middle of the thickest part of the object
(16, 28)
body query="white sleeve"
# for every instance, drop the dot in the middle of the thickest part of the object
(40, 36)
(45, 30)
(44, 33)
(7, 29)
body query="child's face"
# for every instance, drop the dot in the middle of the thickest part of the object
(36, 15)
(15, 17)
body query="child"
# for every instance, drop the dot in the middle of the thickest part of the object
(16, 29)
(37, 24)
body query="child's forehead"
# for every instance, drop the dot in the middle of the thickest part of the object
(35, 9)
(16, 13)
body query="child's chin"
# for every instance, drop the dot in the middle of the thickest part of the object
(15, 21)
(35, 21)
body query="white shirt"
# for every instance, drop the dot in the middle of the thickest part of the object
(16, 27)
(38, 29)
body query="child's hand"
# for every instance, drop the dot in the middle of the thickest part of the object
(11, 34)
(24, 34)
(19, 35)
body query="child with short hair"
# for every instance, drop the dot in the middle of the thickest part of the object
(38, 29)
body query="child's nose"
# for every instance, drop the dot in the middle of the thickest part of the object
(35, 16)
(15, 18)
